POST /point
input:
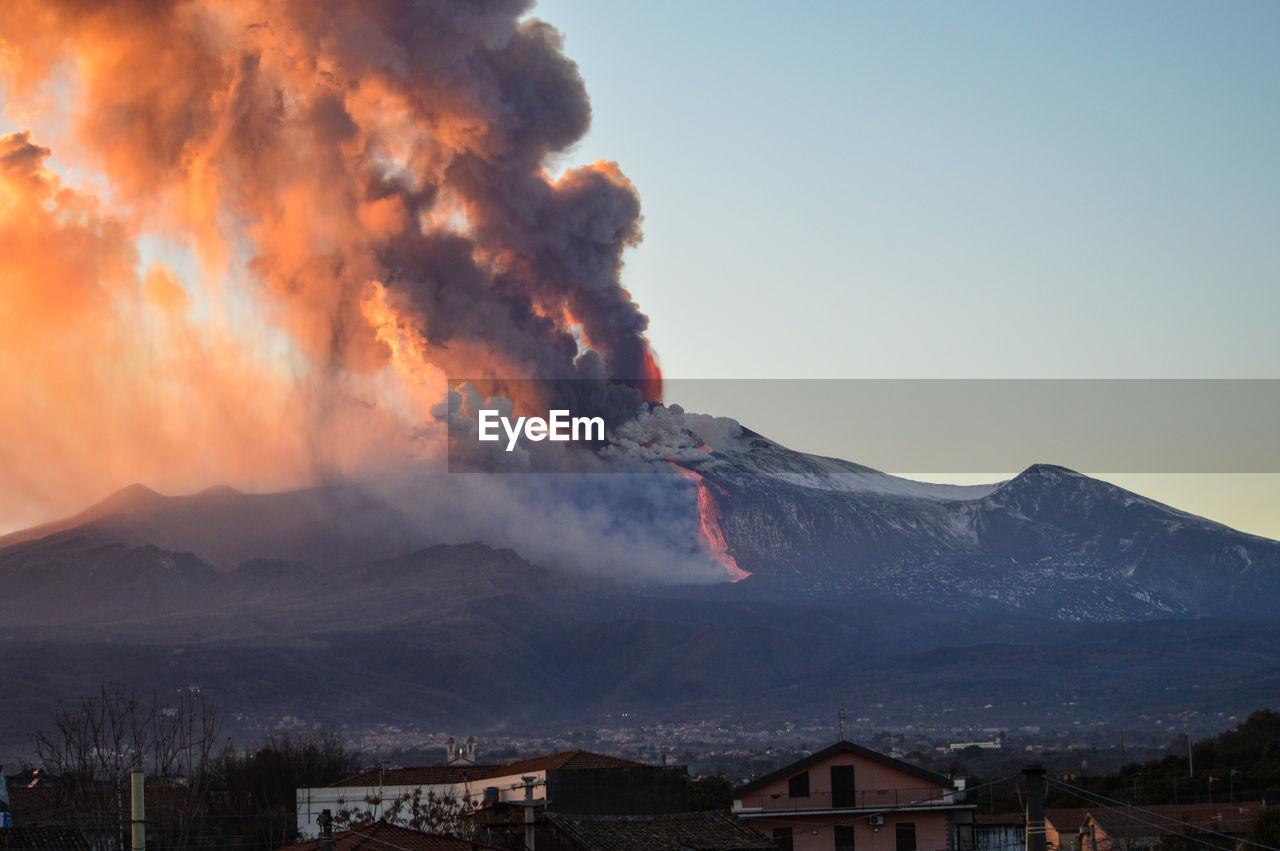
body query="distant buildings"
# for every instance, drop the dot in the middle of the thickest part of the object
(846, 796)
(988, 745)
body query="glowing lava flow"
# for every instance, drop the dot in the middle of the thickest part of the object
(709, 527)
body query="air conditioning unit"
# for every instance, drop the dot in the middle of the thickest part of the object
(875, 821)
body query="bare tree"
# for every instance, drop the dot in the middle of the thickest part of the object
(95, 744)
(429, 812)
(254, 792)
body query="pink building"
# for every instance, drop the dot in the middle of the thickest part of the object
(848, 797)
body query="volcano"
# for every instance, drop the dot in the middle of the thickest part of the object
(342, 605)
(1049, 543)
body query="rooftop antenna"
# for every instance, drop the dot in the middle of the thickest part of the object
(841, 712)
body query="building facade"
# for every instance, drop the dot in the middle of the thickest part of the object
(848, 797)
(570, 782)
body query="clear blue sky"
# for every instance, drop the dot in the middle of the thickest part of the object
(936, 189)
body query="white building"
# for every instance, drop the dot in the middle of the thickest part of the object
(377, 788)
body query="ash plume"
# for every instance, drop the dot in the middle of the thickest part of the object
(364, 190)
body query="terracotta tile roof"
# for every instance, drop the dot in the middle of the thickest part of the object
(427, 775)
(1162, 819)
(430, 775)
(37, 804)
(42, 839)
(1065, 820)
(382, 836)
(713, 831)
(565, 760)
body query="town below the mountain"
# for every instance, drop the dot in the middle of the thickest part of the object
(119, 771)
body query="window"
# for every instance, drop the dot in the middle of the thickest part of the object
(842, 786)
(798, 786)
(844, 837)
(906, 832)
(782, 838)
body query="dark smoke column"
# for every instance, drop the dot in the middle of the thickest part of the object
(542, 259)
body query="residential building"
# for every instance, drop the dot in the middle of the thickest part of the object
(1116, 828)
(1062, 829)
(1005, 832)
(846, 796)
(574, 781)
(1140, 828)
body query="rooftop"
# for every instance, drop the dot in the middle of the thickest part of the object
(711, 831)
(381, 835)
(1159, 820)
(843, 746)
(438, 775)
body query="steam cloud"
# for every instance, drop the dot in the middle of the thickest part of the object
(370, 176)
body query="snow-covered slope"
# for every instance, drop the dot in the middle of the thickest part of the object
(1049, 542)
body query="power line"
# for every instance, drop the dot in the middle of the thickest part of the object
(1171, 819)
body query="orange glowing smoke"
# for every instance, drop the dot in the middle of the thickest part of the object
(199, 193)
(713, 540)
(650, 380)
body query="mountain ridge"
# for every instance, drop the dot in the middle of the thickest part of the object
(870, 583)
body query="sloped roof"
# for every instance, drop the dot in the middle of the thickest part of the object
(1065, 820)
(42, 839)
(843, 746)
(433, 775)
(381, 836)
(712, 831)
(566, 761)
(426, 775)
(1163, 819)
(37, 804)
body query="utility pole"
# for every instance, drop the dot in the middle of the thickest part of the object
(139, 809)
(1034, 775)
(528, 812)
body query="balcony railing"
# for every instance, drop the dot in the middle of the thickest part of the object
(864, 799)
